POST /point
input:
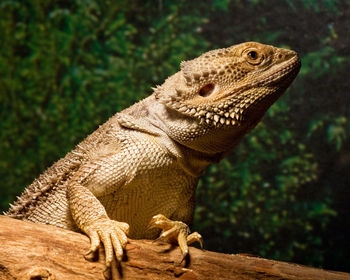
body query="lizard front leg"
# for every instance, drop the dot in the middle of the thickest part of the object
(91, 217)
(92, 179)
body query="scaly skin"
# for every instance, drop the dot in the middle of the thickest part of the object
(146, 160)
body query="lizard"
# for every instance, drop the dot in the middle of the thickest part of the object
(136, 175)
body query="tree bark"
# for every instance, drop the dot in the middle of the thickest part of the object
(31, 251)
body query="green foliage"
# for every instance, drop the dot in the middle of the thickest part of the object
(66, 66)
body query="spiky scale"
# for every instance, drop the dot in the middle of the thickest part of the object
(201, 113)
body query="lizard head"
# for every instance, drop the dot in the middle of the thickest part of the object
(227, 87)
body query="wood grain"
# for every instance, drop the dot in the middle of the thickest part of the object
(33, 251)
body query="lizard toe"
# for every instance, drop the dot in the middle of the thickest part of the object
(113, 236)
(175, 232)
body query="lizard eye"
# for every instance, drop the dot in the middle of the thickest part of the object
(206, 90)
(253, 56)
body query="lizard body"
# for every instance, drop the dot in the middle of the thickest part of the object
(146, 160)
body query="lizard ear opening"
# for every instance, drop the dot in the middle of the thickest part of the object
(207, 90)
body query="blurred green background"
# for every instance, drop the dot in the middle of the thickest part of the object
(283, 193)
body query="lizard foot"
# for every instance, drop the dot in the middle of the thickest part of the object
(175, 232)
(111, 233)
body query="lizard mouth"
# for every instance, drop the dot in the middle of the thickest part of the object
(286, 71)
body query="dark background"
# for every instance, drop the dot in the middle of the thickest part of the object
(283, 193)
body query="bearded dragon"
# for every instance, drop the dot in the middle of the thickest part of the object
(137, 173)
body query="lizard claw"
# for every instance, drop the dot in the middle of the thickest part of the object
(175, 232)
(111, 233)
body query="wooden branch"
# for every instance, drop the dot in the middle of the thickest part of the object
(32, 252)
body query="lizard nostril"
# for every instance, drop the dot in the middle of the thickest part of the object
(207, 90)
